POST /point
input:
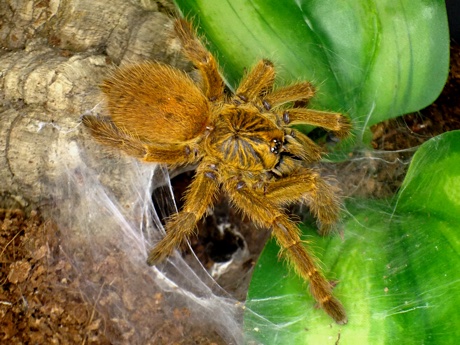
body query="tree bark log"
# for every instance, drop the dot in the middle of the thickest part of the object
(54, 54)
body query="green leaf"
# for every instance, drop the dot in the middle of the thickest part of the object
(373, 59)
(397, 266)
(433, 176)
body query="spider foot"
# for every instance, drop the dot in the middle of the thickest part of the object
(334, 308)
(344, 127)
(155, 256)
(325, 229)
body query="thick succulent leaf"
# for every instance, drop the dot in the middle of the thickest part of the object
(433, 181)
(371, 59)
(397, 266)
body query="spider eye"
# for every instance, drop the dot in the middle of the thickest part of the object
(275, 146)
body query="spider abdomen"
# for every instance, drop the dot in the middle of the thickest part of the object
(156, 103)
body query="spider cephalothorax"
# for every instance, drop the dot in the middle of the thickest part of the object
(244, 139)
(243, 144)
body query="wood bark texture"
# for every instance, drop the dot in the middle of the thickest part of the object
(53, 55)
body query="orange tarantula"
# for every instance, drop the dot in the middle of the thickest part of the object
(243, 144)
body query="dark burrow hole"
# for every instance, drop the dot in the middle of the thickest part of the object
(217, 237)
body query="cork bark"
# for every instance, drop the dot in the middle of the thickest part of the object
(53, 55)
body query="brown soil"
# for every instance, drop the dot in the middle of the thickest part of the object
(41, 301)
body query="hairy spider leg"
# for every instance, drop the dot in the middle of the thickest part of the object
(180, 226)
(258, 82)
(292, 93)
(335, 122)
(202, 59)
(302, 146)
(265, 214)
(307, 185)
(173, 154)
(107, 133)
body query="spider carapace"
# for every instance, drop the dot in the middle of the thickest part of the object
(243, 144)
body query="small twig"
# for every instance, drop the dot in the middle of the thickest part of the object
(6, 246)
(93, 311)
(338, 338)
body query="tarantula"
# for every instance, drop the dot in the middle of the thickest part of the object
(243, 144)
